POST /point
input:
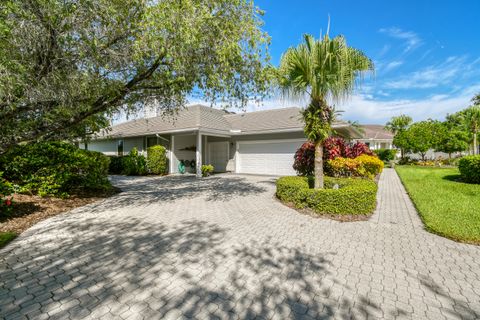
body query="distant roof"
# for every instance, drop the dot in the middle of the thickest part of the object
(208, 119)
(376, 131)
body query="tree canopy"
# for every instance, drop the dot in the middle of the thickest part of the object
(66, 65)
(399, 123)
(321, 69)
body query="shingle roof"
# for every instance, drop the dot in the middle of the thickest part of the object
(199, 117)
(376, 131)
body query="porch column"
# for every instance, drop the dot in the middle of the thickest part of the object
(198, 162)
(172, 154)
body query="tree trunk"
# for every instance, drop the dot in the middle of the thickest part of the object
(318, 165)
(475, 148)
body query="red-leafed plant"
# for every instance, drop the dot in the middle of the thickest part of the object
(304, 162)
(333, 148)
(359, 149)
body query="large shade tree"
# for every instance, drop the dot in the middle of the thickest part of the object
(324, 70)
(67, 65)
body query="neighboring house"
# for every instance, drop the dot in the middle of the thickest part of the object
(262, 142)
(376, 137)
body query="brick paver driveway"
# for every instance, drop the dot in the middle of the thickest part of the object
(177, 247)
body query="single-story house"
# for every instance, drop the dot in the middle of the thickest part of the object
(261, 142)
(376, 137)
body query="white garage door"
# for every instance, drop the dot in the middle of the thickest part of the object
(270, 158)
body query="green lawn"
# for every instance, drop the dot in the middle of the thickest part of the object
(6, 237)
(447, 206)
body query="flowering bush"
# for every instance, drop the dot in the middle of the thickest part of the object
(6, 198)
(304, 162)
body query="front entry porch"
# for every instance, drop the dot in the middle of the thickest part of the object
(193, 149)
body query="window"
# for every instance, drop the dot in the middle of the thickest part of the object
(120, 147)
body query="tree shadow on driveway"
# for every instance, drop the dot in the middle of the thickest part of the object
(150, 190)
(129, 267)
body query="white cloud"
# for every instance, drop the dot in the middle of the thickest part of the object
(392, 65)
(361, 108)
(431, 76)
(410, 38)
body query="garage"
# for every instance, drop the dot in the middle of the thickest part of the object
(273, 157)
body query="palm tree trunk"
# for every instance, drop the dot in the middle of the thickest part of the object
(318, 165)
(475, 148)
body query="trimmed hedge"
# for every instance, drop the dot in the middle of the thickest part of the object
(354, 196)
(469, 167)
(386, 155)
(157, 160)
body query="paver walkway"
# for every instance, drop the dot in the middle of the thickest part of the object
(223, 247)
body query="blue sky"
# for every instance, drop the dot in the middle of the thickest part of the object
(426, 53)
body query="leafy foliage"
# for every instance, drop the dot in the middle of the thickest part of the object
(321, 69)
(361, 166)
(345, 167)
(157, 160)
(469, 167)
(373, 166)
(55, 168)
(6, 198)
(116, 165)
(304, 161)
(134, 164)
(386, 154)
(354, 196)
(451, 140)
(398, 124)
(207, 169)
(419, 137)
(67, 65)
(333, 147)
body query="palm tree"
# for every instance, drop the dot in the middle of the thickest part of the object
(471, 117)
(324, 70)
(397, 124)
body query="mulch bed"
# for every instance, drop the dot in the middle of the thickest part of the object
(336, 217)
(31, 209)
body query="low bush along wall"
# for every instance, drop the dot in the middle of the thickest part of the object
(354, 196)
(469, 168)
(55, 168)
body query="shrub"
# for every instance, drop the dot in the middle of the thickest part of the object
(358, 149)
(55, 168)
(469, 167)
(333, 147)
(304, 161)
(354, 196)
(157, 160)
(345, 167)
(207, 169)
(116, 165)
(386, 155)
(134, 164)
(373, 166)
(6, 198)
